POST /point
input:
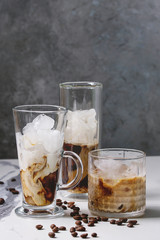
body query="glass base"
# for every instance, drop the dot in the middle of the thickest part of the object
(74, 196)
(39, 213)
(134, 214)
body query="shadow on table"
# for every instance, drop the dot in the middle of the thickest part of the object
(152, 212)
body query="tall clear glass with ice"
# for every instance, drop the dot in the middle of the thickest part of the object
(82, 132)
(40, 136)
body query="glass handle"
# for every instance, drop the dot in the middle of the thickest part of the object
(79, 165)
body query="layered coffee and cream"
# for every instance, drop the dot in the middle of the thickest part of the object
(39, 152)
(81, 136)
(116, 188)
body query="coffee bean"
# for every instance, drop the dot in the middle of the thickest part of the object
(77, 217)
(13, 180)
(62, 228)
(78, 222)
(94, 234)
(130, 225)
(99, 219)
(84, 235)
(39, 226)
(104, 219)
(52, 226)
(76, 208)
(64, 207)
(73, 214)
(72, 229)
(55, 229)
(83, 215)
(119, 222)
(71, 204)
(1, 182)
(93, 219)
(74, 234)
(90, 224)
(81, 229)
(2, 201)
(134, 222)
(58, 200)
(113, 221)
(65, 202)
(59, 204)
(13, 190)
(85, 220)
(51, 234)
(124, 220)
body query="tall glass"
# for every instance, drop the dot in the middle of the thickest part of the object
(40, 136)
(83, 129)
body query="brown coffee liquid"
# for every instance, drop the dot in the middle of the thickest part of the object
(69, 168)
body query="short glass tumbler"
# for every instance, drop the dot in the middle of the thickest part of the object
(117, 182)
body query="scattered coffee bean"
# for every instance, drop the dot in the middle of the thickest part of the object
(78, 222)
(76, 208)
(93, 219)
(113, 221)
(91, 224)
(58, 200)
(72, 206)
(81, 229)
(52, 226)
(84, 235)
(72, 229)
(72, 214)
(13, 180)
(2, 201)
(119, 222)
(1, 182)
(39, 226)
(134, 222)
(62, 228)
(13, 190)
(94, 234)
(124, 220)
(59, 204)
(104, 219)
(99, 219)
(55, 229)
(85, 220)
(84, 215)
(130, 225)
(65, 202)
(51, 234)
(74, 234)
(77, 217)
(64, 207)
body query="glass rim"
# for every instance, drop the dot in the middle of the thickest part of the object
(141, 153)
(32, 108)
(80, 84)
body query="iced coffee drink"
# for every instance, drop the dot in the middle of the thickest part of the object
(81, 136)
(116, 189)
(39, 153)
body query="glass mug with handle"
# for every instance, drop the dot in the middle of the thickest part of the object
(39, 133)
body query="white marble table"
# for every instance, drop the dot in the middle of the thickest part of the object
(17, 228)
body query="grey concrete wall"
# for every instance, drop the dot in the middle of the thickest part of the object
(45, 42)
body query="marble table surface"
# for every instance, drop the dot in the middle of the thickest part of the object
(18, 228)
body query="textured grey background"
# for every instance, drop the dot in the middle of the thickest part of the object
(45, 42)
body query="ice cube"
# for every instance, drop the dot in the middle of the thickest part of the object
(29, 136)
(52, 140)
(42, 122)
